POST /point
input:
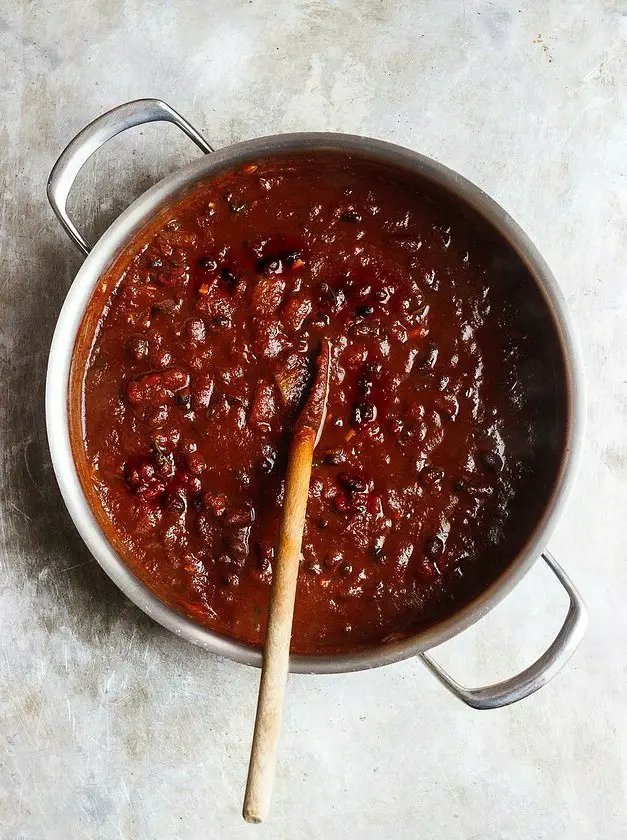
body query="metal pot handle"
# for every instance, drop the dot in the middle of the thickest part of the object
(92, 137)
(543, 669)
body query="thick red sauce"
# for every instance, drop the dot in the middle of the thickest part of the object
(445, 420)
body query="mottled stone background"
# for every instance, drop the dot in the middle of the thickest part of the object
(112, 728)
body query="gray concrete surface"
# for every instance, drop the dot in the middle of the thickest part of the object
(109, 726)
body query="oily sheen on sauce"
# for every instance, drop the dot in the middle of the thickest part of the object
(445, 416)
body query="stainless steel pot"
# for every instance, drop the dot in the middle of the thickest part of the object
(118, 236)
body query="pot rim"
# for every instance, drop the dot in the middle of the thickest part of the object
(119, 235)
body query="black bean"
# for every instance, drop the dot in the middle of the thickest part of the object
(236, 205)
(377, 548)
(270, 266)
(492, 461)
(365, 386)
(208, 263)
(355, 483)
(265, 556)
(334, 559)
(368, 375)
(268, 458)
(229, 276)
(331, 296)
(184, 400)
(197, 503)
(219, 323)
(335, 457)
(434, 547)
(364, 412)
(325, 292)
(157, 418)
(364, 311)
(382, 295)
(432, 475)
(350, 216)
(430, 279)
(363, 328)
(346, 570)
(460, 485)
(321, 322)
(431, 357)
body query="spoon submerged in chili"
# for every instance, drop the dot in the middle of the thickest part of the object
(306, 434)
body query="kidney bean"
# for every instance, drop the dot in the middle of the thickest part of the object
(215, 503)
(155, 388)
(196, 330)
(168, 306)
(270, 340)
(237, 516)
(264, 406)
(295, 313)
(237, 544)
(138, 347)
(176, 501)
(161, 358)
(268, 295)
(158, 417)
(142, 478)
(202, 390)
(291, 377)
(167, 438)
(196, 463)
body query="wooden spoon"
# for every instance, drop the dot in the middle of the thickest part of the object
(276, 655)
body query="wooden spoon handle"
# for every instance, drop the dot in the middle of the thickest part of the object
(279, 630)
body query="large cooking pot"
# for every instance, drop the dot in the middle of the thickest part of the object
(119, 235)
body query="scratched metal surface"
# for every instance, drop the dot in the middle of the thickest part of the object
(112, 728)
